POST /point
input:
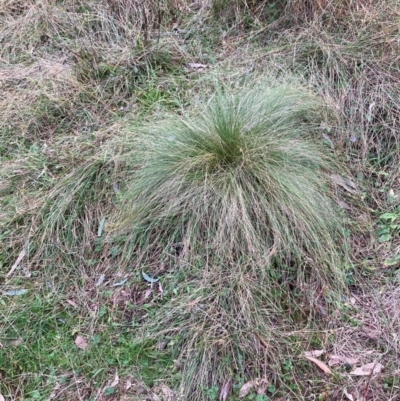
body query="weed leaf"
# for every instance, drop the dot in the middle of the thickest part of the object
(392, 261)
(109, 391)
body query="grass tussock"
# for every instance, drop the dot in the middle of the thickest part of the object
(243, 188)
(244, 179)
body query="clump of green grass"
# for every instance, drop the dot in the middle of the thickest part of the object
(245, 179)
(242, 187)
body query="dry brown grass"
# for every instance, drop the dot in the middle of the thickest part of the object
(334, 11)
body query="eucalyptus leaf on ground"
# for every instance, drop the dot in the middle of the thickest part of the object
(150, 279)
(15, 292)
(119, 283)
(322, 365)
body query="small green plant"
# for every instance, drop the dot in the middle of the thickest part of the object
(212, 393)
(388, 225)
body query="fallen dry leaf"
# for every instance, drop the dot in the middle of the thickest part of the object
(162, 345)
(18, 342)
(314, 354)
(262, 386)
(54, 392)
(348, 395)
(338, 359)
(344, 205)
(152, 397)
(372, 368)
(115, 381)
(168, 393)
(323, 366)
(128, 383)
(246, 388)
(81, 343)
(347, 184)
(225, 389)
(197, 65)
(72, 303)
(256, 383)
(329, 140)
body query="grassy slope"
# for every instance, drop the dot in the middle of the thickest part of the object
(76, 79)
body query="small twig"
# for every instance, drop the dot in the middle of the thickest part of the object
(262, 341)
(368, 382)
(18, 261)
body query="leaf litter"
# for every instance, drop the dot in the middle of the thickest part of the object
(368, 369)
(225, 389)
(252, 384)
(81, 342)
(322, 365)
(338, 360)
(314, 354)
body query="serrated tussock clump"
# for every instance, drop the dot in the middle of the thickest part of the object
(246, 178)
